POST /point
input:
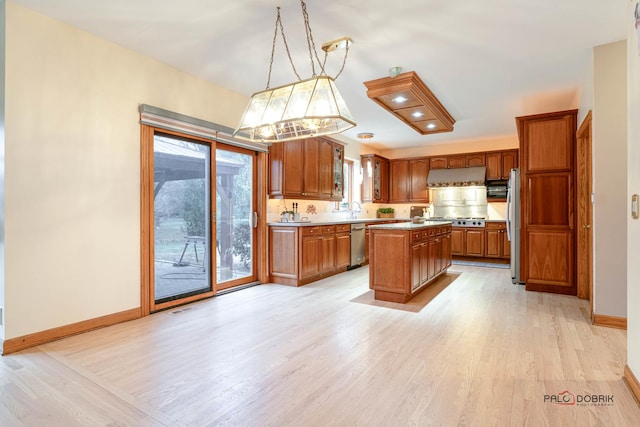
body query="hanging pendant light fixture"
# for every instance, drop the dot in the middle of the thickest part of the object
(310, 107)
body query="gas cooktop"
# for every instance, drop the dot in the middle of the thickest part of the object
(463, 221)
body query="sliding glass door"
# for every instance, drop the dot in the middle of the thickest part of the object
(181, 212)
(202, 223)
(235, 216)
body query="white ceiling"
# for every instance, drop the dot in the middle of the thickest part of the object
(487, 61)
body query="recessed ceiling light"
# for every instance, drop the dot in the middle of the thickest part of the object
(399, 99)
(417, 114)
(365, 135)
(431, 126)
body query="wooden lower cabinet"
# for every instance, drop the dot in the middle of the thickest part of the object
(343, 248)
(299, 255)
(402, 262)
(457, 241)
(445, 255)
(474, 242)
(497, 244)
(468, 242)
(310, 250)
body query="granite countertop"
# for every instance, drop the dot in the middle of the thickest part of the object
(367, 220)
(408, 225)
(333, 222)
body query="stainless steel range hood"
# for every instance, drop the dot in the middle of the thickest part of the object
(460, 177)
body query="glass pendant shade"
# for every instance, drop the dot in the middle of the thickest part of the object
(311, 107)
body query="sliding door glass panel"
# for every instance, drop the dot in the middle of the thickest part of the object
(182, 255)
(234, 216)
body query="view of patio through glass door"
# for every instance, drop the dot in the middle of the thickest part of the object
(235, 220)
(182, 206)
(186, 242)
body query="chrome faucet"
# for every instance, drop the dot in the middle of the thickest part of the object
(354, 212)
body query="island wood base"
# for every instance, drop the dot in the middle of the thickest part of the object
(405, 259)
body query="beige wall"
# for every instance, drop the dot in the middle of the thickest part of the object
(73, 168)
(2, 145)
(610, 178)
(633, 187)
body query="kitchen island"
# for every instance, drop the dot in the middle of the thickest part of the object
(303, 252)
(404, 258)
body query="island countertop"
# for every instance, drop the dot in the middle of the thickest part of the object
(408, 225)
(332, 222)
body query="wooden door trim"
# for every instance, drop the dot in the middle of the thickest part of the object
(584, 139)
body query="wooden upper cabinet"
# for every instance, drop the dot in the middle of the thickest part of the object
(475, 159)
(311, 171)
(438, 162)
(337, 171)
(305, 169)
(494, 166)
(500, 163)
(366, 190)
(408, 180)
(547, 147)
(399, 181)
(509, 161)
(418, 172)
(454, 162)
(276, 153)
(457, 161)
(293, 161)
(326, 166)
(375, 178)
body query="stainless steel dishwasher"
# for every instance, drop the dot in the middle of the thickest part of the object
(357, 245)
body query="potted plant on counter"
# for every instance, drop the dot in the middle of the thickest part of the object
(385, 213)
(286, 216)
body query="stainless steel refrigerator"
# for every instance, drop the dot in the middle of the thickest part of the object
(513, 223)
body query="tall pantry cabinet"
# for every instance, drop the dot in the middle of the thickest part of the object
(547, 188)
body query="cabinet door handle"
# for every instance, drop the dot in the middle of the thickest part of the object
(255, 220)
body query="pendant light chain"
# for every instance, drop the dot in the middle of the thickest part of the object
(344, 61)
(273, 49)
(310, 44)
(312, 47)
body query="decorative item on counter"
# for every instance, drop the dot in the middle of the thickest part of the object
(296, 214)
(311, 209)
(286, 215)
(418, 220)
(385, 213)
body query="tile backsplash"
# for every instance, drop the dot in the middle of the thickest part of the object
(326, 211)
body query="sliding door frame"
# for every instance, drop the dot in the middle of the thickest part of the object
(147, 298)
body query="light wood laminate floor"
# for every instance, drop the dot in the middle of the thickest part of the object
(482, 352)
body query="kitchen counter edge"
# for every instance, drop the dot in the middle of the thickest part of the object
(334, 222)
(409, 225)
